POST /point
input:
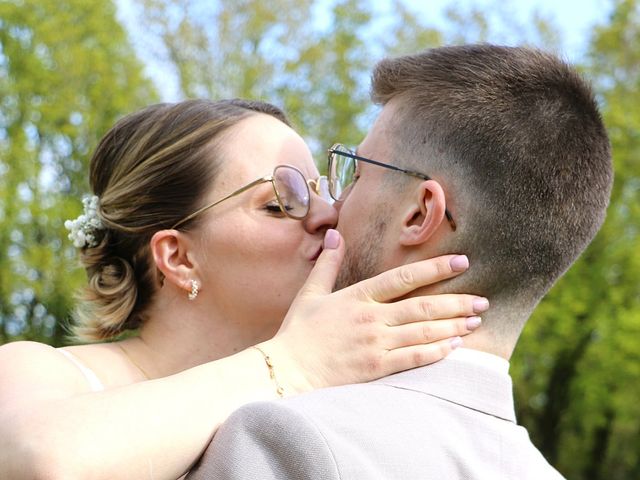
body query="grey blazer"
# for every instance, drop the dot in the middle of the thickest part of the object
(451, 420)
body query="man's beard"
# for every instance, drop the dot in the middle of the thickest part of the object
(363, 254)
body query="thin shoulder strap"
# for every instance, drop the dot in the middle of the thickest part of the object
(94, 382)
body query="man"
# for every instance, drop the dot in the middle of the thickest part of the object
(503, 157)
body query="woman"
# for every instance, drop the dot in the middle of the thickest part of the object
(184, 244)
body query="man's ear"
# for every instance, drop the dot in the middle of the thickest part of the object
(424, 214)
(171, 253)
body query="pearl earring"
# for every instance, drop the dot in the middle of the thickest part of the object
(195, 288)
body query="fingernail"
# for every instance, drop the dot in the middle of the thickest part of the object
(480, 305)
(331, 239)
(456, 342)
(473, 323)
(459, 263)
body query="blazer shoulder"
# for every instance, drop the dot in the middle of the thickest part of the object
(267, 440)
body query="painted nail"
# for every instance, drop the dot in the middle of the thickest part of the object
(473, 323)
(456, 342)
(480, 305)
(459, 263)
(331, 239)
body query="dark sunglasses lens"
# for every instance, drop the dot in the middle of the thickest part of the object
(343, 169)
(292, 191)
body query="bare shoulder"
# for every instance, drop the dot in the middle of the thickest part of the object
(29, 353)
(35, 370)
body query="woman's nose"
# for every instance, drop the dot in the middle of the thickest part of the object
(322, 215)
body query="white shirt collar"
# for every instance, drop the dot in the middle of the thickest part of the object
(480, 358)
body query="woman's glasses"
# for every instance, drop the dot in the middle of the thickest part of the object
(343, 165)
(291, 189)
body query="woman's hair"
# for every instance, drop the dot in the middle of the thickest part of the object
(149, 171)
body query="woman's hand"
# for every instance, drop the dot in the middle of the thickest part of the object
(359, 333)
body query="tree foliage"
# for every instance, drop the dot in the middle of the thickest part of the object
(312, 58)
(67, 72)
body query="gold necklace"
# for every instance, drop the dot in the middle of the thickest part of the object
(133, 362)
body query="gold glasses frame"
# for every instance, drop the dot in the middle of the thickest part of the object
(319, 186)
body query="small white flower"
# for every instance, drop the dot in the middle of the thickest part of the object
(83, 230)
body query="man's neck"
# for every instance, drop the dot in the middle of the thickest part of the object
(501, 324)
(484, 341)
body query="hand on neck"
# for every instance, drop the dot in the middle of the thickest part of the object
(501, 324)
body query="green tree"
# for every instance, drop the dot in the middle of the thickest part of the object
(280, 52)
(66, 73)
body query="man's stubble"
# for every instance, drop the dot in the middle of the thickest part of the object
(363, 255)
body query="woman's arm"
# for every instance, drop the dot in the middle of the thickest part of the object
(52, 426)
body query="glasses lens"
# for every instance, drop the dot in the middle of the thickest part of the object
(322, 189)
(292, 191)
(343, 169)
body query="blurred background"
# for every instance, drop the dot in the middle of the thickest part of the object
(70, 68)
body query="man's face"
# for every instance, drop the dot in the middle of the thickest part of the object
(366, 214)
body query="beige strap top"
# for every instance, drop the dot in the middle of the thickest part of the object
(94, 382)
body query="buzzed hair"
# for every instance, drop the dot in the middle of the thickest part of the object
(515, 136)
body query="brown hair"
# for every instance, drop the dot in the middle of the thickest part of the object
(516, 138)
(149, 171)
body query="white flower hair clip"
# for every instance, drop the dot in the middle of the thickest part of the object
(84, 229)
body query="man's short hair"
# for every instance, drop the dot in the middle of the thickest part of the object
(516, 139)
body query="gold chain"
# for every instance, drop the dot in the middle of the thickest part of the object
(272, 373)
(133, 362)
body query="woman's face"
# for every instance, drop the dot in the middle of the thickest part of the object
(255, 258)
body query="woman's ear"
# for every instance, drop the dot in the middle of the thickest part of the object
(171, 253)
(424, 214)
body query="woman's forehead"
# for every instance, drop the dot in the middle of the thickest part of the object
(259, 143)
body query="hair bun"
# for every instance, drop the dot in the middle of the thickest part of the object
(109, 298)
